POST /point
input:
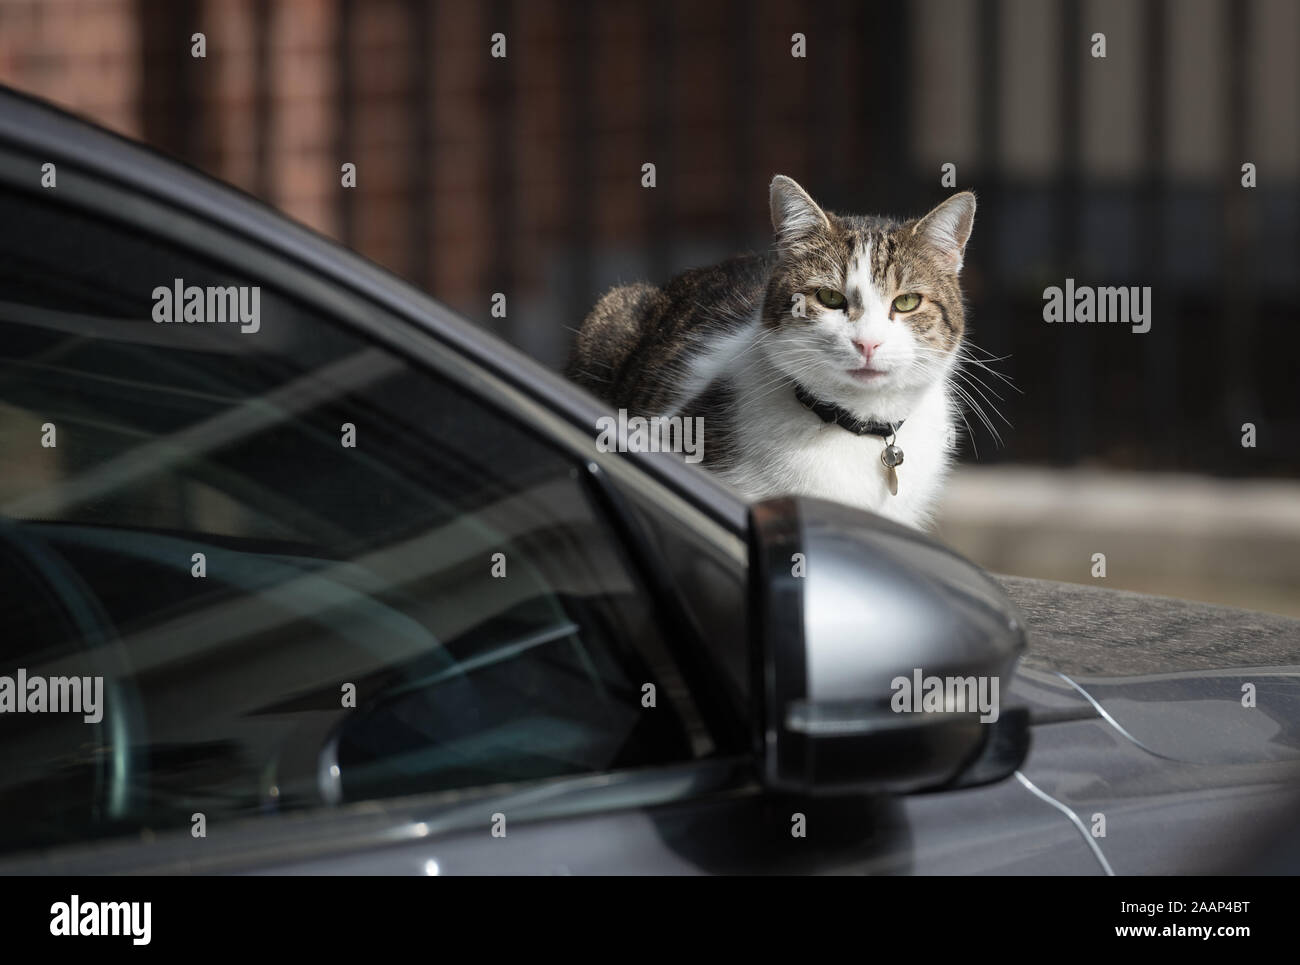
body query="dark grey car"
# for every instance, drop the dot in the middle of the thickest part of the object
(364, 597)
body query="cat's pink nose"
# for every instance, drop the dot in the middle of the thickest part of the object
(866, 349)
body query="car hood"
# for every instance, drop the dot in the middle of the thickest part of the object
(1182, 681)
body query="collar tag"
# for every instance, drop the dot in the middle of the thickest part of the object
(892, 457)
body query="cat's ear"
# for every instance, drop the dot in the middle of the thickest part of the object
(794, 214)
(947, 227)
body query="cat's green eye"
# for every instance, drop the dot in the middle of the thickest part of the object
(830, 297)
(907, 303)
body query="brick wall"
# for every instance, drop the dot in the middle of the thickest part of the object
(466, 164)
(81, 54)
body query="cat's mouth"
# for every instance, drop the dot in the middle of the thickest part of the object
(868, 373)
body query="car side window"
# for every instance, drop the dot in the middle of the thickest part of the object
(301, 570)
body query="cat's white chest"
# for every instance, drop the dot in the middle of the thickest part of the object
(848, 468)
(787, 449)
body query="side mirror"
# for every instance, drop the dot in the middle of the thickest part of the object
(882, 656)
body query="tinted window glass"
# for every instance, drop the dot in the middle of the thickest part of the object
(305, 571)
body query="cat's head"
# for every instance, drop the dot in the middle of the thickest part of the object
(865, 312)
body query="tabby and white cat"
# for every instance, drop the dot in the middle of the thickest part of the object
(807, 362)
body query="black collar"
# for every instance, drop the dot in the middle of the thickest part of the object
(830, 412)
